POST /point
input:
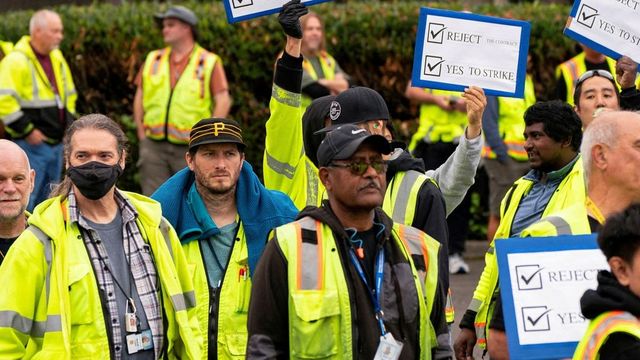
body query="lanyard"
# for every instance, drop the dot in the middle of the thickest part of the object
(375, 295)
(595, 211)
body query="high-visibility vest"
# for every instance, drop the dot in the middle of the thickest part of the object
(320, 320)
(5, 48)
(570, 191)
(169, 113)
(573, 220)
(328, 65)
(437, 125)
(400, 201)
(25, 87)
(234, 294)
(601, 328)
(511, 123)
(573, 68)
(55, 311)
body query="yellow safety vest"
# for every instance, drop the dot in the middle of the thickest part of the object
(55, 310)
(511, 123)
(601, 328)
(169, 113)
(328, 65)
(320, 321)
(5, 48)
(437, 125)
(570, 191)
(234, 295)
(573, 220)
(25, 87)
(400, 203)
(573, 68)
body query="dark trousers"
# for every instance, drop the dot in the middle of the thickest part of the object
(434, 155)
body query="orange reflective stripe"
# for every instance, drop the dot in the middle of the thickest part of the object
(153, 69)
(572, 66)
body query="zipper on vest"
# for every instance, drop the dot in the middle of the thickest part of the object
(166, 116)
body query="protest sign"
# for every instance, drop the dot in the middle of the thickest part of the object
(541, 283)
(240, 10)
(455, 50)
(609, 27)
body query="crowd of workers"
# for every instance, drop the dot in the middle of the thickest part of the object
(344, 252)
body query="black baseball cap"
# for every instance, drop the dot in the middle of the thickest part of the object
(356, 105)
(342, 142)
(216, 131)
(178, 12)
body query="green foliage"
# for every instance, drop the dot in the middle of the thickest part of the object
(106, 44)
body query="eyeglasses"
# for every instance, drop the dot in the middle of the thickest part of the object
(592, 73)
(360, 167)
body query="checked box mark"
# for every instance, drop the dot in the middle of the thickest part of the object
(435, 33)
(529, 277)
(536, 318)
(433, 65)
(587, 15)
(241, 3)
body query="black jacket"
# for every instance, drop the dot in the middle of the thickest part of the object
(609, 296)
(268, 323)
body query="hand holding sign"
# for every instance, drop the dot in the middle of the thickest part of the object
(476, 102)
(289, 18)
(626, 72)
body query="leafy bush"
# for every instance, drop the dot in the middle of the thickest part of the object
(106, 44)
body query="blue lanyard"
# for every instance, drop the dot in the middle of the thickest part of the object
(375, 296)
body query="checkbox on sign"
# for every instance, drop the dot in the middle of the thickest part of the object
(433, 65)
(587, 15)
(435, 33)
(529, 277)
(241, 3)
(536, 318)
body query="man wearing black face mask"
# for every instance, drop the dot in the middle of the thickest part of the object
(98, 273)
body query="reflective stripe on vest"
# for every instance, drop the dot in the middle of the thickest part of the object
(400, 200)
(561, 225)
(601, 328)
(14, 320)
(310, 264)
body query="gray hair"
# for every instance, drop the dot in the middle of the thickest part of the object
(603, 130)
(40, 18)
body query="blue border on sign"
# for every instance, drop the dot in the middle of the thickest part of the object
(586, 41)
(419, 47)
(232, 20)
(527, 245)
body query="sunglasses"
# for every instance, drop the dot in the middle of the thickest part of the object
(592, 73)
(360, 167)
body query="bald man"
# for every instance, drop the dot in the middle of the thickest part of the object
(38, 99)
(16, 184)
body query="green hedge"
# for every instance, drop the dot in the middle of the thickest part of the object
(106, 45)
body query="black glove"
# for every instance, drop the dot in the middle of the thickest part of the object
(289, 18)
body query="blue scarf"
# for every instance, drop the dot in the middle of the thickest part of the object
(259, 209)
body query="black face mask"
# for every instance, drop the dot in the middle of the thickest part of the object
(94, 179)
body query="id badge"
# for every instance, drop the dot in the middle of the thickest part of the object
(131, 322)
(146, 339)
(134, 343)
(388, 349)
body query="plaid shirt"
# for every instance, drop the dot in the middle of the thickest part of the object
(142, 269)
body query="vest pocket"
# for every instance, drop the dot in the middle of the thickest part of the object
(79, 294)
(315, 324)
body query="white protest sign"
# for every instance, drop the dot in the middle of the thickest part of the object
(455, 50)
(541, 283)
(610, 27)
(239, 10)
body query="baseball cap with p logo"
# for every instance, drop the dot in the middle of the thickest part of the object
(215, 131)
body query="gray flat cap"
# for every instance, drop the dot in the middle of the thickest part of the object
(178, 12)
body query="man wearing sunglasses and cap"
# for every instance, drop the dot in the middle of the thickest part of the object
(176, 87)
(345, 279)
(222, 214)
(597, 89)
